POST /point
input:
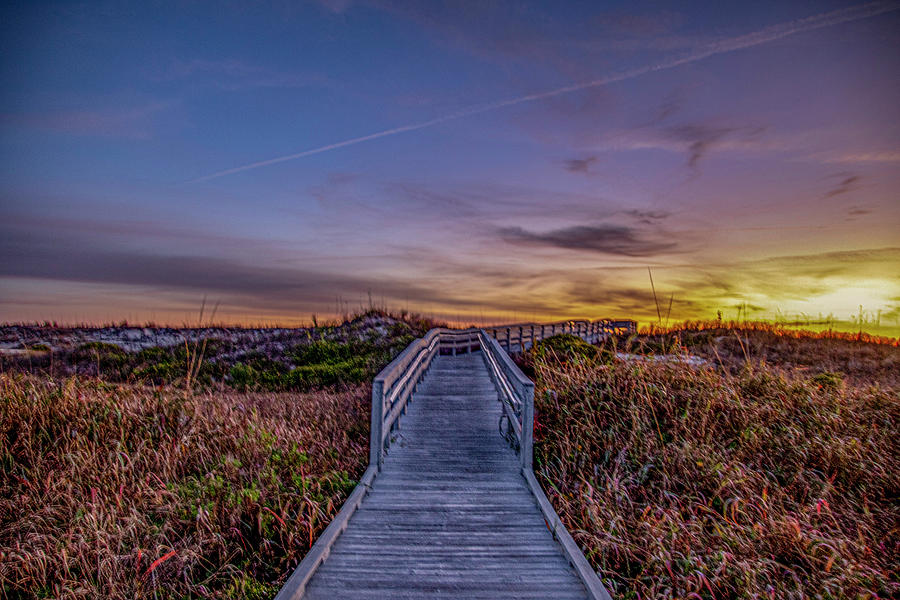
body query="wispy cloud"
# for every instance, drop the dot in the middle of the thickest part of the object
(605, 239)
(579, 165)
(103, 261)
(233, 74)
(699, 139)
(694, 139)
(860, 157)
(857, 211)
(134, 122)
(756, 38)
(848, 183)
(648, 217)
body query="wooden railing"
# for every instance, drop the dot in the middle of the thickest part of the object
(521, 336)
(517, 394)
(395, 385)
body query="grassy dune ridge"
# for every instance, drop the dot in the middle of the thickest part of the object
(123, 491)
(737, 479)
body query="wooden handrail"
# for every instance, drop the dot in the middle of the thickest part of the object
(520, 336)
(395, 385)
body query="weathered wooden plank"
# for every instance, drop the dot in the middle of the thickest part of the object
(450, 513)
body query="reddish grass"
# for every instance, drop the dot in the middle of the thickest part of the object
(861, 362)
(685, 482)
(119, 491)
(783, 331)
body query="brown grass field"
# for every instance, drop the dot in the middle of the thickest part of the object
(773, 471)
(768, 471)
(120, 491)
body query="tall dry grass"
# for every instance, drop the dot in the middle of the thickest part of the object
(685, 482)
(780, 329)
(116, 491)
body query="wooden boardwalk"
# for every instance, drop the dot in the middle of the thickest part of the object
(450, 515)
(449, 506)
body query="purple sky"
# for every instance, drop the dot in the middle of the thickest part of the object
(471, 160)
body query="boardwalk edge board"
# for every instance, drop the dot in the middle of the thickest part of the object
(296, 583)
(394, 386)
(573, 552)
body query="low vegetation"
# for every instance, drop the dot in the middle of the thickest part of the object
(768, 471)
(273, 360)
(125, 491)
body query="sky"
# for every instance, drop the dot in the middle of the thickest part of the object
(475, 161)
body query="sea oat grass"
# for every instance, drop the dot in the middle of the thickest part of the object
(679, 481)
(120, 491)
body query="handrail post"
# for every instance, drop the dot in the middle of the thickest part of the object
(376, 435)
(527, 447)
(507, 340)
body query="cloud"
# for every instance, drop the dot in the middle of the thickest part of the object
(233, 74)
(848, 183)
(857, 211)
(30, 255)
(861, 157)
(671, 105)
(335, 6)
(699, 139)
(874, 262)
(648, 217)
(785, 279)
(254, 283)
(605, 239)
(133, 122)
(642, 25)
(579, 165)
(467, 205)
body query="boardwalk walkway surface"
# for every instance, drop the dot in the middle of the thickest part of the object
(450, 514)
(449, 506)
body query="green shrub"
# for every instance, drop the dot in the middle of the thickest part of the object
(323, 351)
(322, 375)
(828, 380)
(570, 348)
(93, 349)
(243, 377)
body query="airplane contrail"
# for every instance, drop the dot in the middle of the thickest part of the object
(763, 36)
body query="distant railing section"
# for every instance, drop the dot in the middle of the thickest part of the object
(395, 384)
(521, 336)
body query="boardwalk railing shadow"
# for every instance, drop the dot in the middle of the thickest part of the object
(395, 386)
